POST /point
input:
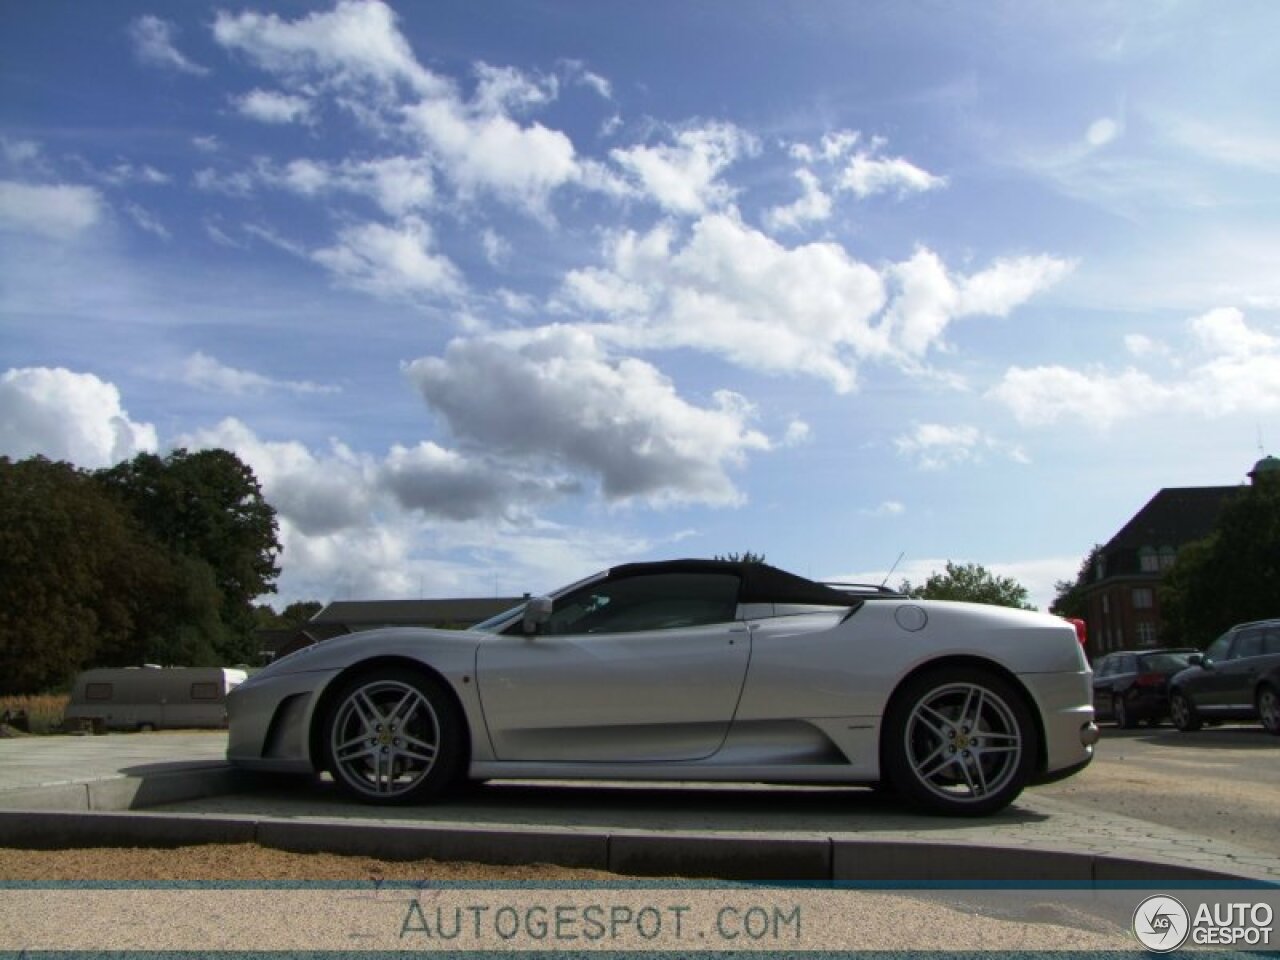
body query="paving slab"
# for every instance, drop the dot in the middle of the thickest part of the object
(177, 786)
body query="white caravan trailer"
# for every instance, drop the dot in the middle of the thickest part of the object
(150, 698)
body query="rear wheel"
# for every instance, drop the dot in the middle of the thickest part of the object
(959, 741)
(393, 736)
(1183, 712)
(1269, 708)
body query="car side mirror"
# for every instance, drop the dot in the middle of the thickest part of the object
(536, 612)
(1195, 660)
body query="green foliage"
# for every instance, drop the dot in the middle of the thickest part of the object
(208, 506)
(1232, 576)
(1069, 599)
(294, 615)
(155, 561)
(745, 557)
(970, 582)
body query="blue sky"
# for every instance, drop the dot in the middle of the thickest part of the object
(494, 295)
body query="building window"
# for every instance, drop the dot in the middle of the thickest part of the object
(1146, 634)
(1167, 557)
(1106, 605)
(1143, 599)
(1148, 561)
(1100, 567)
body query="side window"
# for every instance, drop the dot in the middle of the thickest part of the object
(1129, 664)
(1271, 640)
(660, 602)
(1218, 649)
(1248, 644)
(204, 691)
(1105, 666)
(97, 691)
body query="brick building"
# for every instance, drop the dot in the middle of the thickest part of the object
(1122, 604)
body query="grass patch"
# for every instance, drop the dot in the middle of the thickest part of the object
(44, 711)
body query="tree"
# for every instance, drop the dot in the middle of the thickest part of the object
(76, 573)
(745, 557)
(294, 615)
(1229, 577)
(207, 507)
(971, 582)
(1069, 600)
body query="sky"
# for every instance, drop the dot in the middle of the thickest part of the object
(492, 296)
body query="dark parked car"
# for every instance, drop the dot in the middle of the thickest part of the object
(1236, 678)
(1133, 685)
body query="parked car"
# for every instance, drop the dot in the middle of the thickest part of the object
(1133, 685)
(1236, 678)
(687, 670)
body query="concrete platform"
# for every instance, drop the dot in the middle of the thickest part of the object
(171, 789)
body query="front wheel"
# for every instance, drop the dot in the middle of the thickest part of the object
(959, 741)
(394, 736)
(1269, 709)
(1183, 712)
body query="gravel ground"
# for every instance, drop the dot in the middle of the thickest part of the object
(248, 861)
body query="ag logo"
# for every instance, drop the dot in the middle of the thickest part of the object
(1161, 923)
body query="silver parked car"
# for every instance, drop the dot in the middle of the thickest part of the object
(688, 670)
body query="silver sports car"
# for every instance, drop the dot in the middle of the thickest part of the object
(687, 670)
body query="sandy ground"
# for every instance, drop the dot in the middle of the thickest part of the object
(248, 861)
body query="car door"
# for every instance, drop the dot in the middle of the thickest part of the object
(1237, 673)
(1206, 685)
(641, 668)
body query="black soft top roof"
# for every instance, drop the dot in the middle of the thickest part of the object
(761, 583)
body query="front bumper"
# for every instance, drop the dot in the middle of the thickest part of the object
(270, 722)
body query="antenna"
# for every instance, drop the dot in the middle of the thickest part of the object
(893, 568)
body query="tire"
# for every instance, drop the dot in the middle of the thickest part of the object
(146, 728)
(1120, 713)
(1183, 712)
(1269, 708)
(959, 741)
(394, 737)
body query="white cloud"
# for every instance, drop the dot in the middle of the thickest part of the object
(153, 45)
(935, 446)
(1140, 345)
(485, 152)
(146, 221)
(497, 249)
(397, 184)
(798, 433)
(887, 508)
(1008, 283)
(684, 176)
(1102, 131)
(868, 175)
(270, 106)
(1046, 394)
(67, 416)
(1230, 368)
(553, 395)
(207, 144)
(1223, 331)
(352, 46)
(391, 262)
(207, 373)
(58, 210)
(734, 291)
(813, 205)
(500, 90)
(809, 309)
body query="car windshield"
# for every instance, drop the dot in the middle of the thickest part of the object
(491, 625)
(1164, 662)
